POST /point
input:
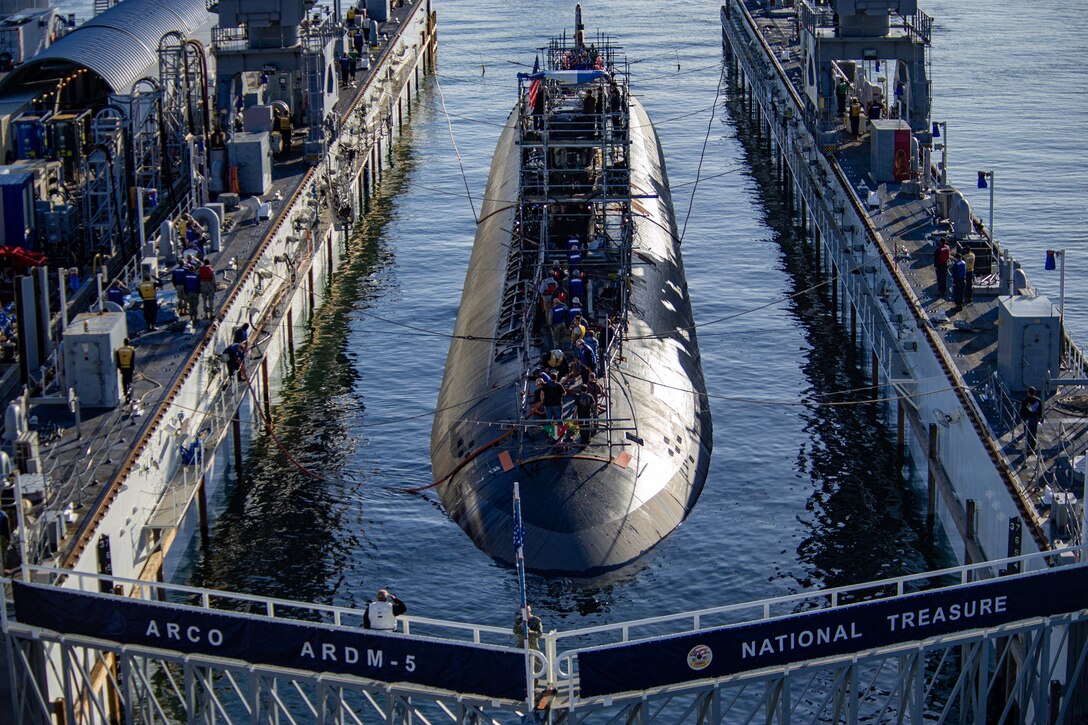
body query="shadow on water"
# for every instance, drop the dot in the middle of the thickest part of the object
(864, 519)
(271, 536)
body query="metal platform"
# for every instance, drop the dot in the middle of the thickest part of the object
(1006, 655)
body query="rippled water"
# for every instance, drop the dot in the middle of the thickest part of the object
(798, 496)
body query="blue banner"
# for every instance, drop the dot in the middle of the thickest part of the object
(824, 633)
(458, 667)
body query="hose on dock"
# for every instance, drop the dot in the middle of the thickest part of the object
(268, 428)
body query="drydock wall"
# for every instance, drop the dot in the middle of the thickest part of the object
(884, 315)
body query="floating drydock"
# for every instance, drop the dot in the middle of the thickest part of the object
(577, 218)
(840, 95)
(154, 132)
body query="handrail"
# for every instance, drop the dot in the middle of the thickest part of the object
(559, 664)
(272, 607)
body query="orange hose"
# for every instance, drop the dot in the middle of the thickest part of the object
(462, 464)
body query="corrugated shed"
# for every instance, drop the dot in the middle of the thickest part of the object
(121, 43)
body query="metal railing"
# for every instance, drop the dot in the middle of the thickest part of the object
(553, 666)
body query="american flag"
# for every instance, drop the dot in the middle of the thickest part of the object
(534, 84)
(519, 532)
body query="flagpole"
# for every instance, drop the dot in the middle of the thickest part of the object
(519, 553)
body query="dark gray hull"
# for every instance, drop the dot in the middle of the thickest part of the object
(584, 511)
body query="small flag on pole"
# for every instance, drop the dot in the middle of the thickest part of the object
(534, 83)
(519, 554)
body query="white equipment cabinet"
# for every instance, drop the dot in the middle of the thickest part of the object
(89, 365)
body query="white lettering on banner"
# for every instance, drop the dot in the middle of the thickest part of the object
(965, 610)
(799, 640)
(307, 650)
(193, 634)
(373, 658)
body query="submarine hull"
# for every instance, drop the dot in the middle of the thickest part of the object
(586, 508)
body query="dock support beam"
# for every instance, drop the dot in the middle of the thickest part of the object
(310, 287)
(931, 488)
(202, 506)
(835, 292)
(266, 393)
(236, 433)
(291, 336)
(900, 433)
(853, 329)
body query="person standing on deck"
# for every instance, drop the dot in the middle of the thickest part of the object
(382, 614)
(586, 359)
(1031, 412)
(148, 289)
(126, 365)
(959, 281)
(177, 278)
(206, 275)
(969, 280)
(842, 90)
(940, 266)
(855, 118)
(192, 293)
(592, 343)
(116, 293)
(553, 401)
(240, 335)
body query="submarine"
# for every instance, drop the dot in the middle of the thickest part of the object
(574, 366)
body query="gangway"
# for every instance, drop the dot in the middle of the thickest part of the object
(1005, 641)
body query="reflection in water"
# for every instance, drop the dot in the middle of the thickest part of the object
(284, 533)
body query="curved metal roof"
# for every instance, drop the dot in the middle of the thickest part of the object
(121, 43)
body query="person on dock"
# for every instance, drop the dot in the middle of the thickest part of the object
(240, 335)
(855, 118)
(959, 281)
(192, 293)
(149, 295)
(969, 280)
(1031, 412)
(536, 628)
(126, 365)
(206, 275)
(235, 355)
(177, 278)
(116, 293)
(842, 91)
(382, 614)
(940, 266)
